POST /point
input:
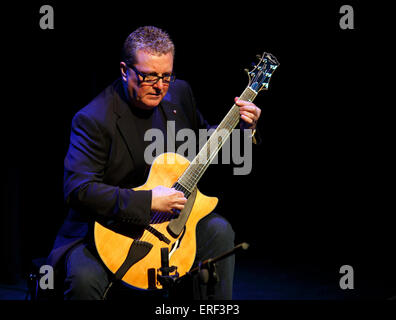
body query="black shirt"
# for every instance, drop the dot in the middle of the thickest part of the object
(145, 120)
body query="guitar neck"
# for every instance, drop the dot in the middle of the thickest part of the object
(201, 162)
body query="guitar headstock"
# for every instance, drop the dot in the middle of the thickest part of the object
(261, 74)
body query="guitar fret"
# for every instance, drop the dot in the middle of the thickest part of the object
(207, 164)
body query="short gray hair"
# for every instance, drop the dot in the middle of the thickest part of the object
(150, 39)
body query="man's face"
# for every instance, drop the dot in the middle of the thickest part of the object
(147, 95)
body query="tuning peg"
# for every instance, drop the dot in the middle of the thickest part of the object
(247, 71)
(258, 56)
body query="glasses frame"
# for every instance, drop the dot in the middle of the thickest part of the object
(158, 78)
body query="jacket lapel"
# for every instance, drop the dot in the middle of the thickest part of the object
(174, 113)
(125, 123)
(174, 116)
(127, 128)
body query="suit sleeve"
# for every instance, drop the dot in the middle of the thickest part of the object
(84, 189)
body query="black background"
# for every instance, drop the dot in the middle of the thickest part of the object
(320, 189)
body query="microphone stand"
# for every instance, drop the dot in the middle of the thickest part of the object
(206, 270)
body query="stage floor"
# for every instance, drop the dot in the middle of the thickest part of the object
(263, 280)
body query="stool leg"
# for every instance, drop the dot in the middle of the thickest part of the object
(32, 286)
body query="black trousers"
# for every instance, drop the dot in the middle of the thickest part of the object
(87, 277)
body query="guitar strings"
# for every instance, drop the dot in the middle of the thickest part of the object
(220, 144)
(191, 177)
(196, 167)
(228, 124)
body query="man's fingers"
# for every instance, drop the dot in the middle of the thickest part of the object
(250, 108)
(178, 207)
(243, 103)
(176, 192)
(248, 114)
(247, 119)
(180, 194)
(179, 198)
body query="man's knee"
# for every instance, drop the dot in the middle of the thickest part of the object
(85, 278)
(219, 231)
(221, 227)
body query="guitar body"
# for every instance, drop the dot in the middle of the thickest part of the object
(113, 247)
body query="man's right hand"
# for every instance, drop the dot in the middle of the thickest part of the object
(167, 199)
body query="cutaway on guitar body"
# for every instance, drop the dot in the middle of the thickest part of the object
(177, 234)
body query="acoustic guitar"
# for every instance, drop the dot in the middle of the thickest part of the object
(134, 256)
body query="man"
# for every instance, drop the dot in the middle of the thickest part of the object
(106, 159)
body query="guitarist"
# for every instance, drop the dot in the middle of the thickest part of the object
(105, 160)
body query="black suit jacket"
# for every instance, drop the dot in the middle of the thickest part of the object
(99, 165)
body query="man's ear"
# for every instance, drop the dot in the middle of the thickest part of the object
(123, 69)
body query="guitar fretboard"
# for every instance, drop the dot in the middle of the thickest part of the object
(200, 163)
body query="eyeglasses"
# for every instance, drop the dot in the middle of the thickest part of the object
(153, 78)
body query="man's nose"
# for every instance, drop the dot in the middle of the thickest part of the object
(159, 84)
